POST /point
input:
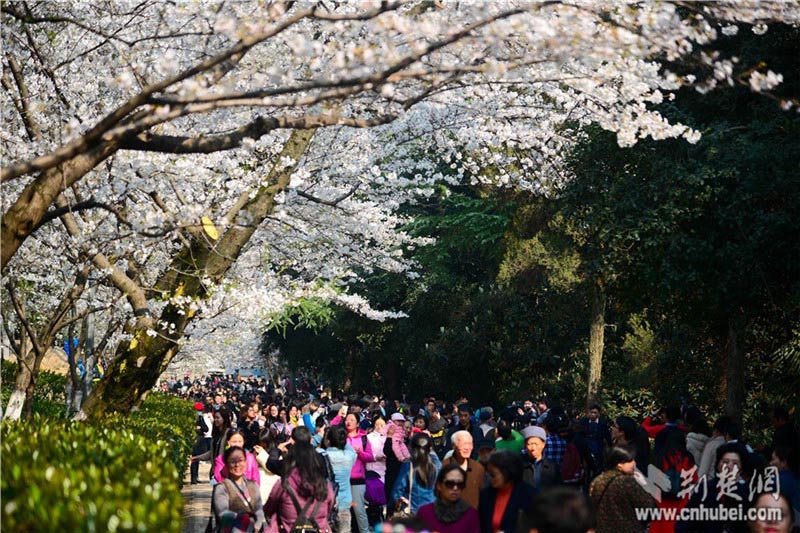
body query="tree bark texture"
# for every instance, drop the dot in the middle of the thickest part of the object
(24, 215)
(596, 341)
(140, 361)
(734, 374)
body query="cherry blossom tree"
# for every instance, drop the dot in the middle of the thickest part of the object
(210, 158)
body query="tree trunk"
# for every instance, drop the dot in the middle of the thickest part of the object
(391, 372)
(25, 214)
(89, 358)
(596, 340)
(16, 403)
(26, 358)
(139, 362)
(34, 345)
(734, 374)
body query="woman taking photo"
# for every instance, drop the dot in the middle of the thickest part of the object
(417, 478)
(507, 494)
(281, 426)
(305, 486)
(449, 513)
(219, 437)
(237, 501)
(616, 494)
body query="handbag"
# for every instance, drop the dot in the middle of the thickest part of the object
(375, 492)
(405, 512)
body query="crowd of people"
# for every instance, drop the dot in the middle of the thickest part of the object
(296, 459)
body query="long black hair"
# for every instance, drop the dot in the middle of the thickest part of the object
(421, 462)
(217, 433)
(311, 467)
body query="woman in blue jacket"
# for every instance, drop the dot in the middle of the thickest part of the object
(417, 478)
(342, 457)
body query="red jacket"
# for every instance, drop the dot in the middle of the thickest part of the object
(654, 429)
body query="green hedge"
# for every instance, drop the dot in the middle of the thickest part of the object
(123, 474)
(49, 396)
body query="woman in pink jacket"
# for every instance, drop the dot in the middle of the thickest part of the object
(236, 438)
(357, 439)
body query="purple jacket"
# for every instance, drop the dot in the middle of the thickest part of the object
(468, 523)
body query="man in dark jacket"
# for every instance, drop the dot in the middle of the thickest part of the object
(464, 423)
(538, 472)
(598, 436)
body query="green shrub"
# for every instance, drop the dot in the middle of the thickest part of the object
(166, 419)
(635, 403)
(49, 396)
(123, 474)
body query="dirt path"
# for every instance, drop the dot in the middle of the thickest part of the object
(196, 501)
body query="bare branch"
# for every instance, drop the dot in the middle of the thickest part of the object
(205, 144)
(87, 140)
(19, 308)
(34, 133)
(332, 203)
(82, 206)
(122, 282)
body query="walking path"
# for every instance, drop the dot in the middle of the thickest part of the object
(196, 501)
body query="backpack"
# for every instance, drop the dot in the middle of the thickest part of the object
(572, 470)
(333, 515)
(673, 463)
(305, 522)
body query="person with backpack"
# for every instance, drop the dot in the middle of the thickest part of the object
(237, 501)
(674, 460)
(616, 494)
(304, 499)
(342, 457)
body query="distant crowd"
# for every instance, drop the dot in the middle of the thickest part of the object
(287, 457)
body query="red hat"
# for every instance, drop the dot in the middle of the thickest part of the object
(198, 406)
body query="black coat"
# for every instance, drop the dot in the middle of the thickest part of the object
(393, 465)
(550, 474)
(521, 496)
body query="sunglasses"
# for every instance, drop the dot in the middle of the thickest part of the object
(450, 484)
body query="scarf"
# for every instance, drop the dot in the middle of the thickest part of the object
(447, 513)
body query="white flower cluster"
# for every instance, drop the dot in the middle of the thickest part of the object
(479, 93)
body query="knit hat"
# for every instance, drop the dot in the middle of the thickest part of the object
(534, 431)
(398, 417)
